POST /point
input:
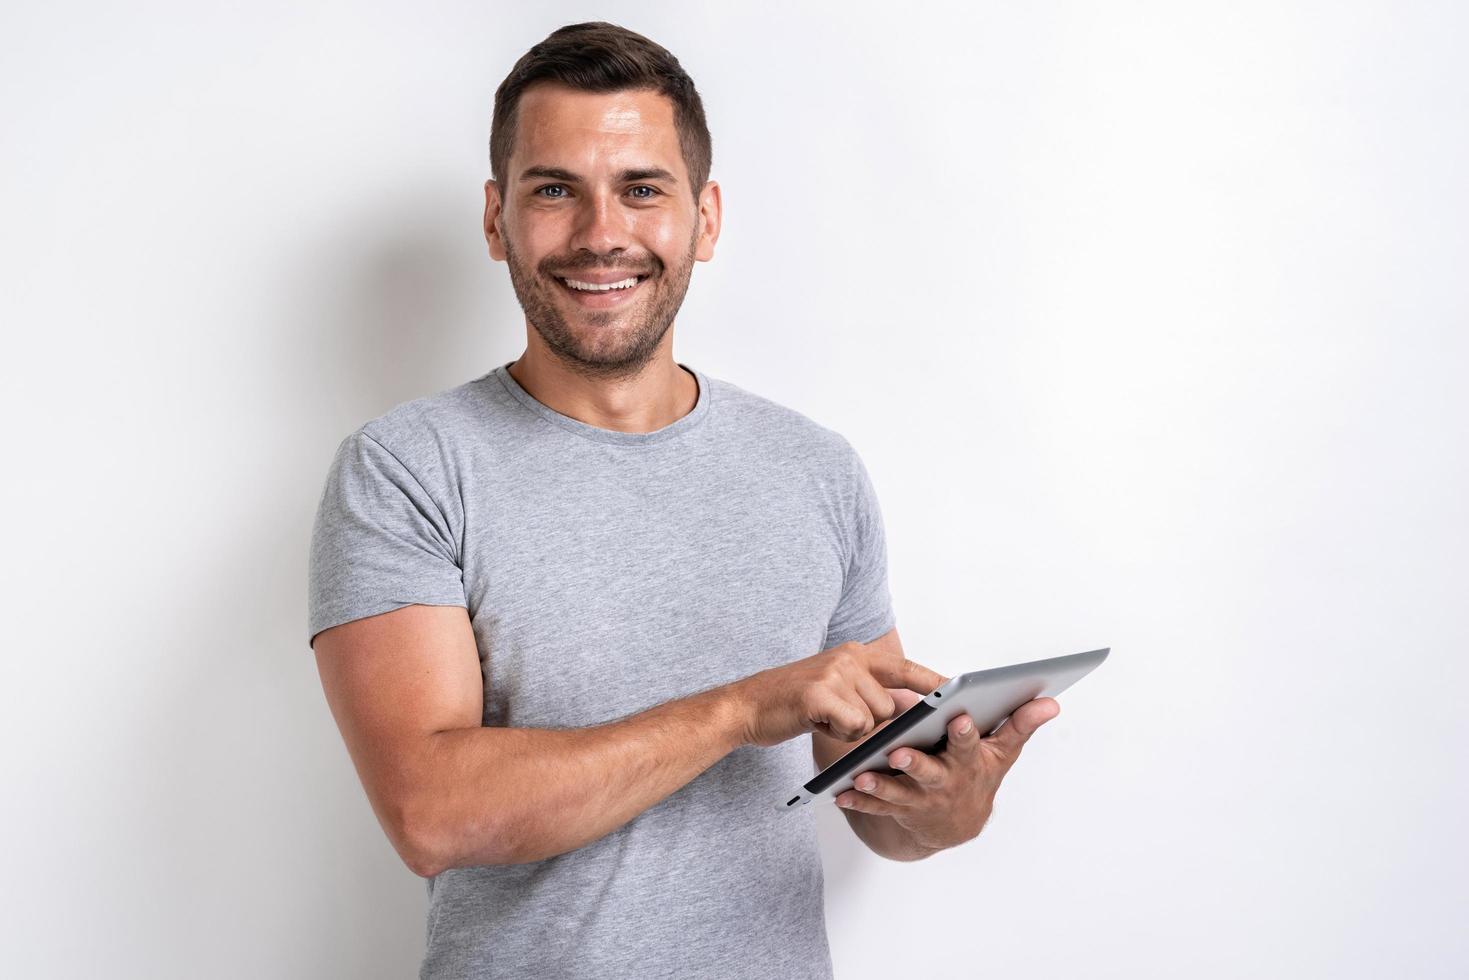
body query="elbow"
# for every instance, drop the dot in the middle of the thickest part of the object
(422, 863)
(419, 855)
(419, 842)
(430, 844)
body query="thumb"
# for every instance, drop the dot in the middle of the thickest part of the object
(1024, 721)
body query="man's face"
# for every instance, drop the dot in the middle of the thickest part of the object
(596, 191)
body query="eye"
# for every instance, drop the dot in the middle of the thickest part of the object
(653, 192)
(548, 187)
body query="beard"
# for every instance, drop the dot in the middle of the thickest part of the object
(601, 344)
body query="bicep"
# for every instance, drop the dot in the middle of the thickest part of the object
(392, 682)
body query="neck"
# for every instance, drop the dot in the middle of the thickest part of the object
(659, 394)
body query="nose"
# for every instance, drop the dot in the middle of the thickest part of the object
(602, 225)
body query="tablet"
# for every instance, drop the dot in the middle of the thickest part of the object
(988, 696)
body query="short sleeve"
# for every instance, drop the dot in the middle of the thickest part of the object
(865, 610)
(379, 541)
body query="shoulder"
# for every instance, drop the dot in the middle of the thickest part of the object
(779, 429)
(424, 417)
(426, 434)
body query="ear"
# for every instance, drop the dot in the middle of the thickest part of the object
(492, 221)
(711, 210)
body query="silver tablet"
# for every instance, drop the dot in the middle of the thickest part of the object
(988, 696)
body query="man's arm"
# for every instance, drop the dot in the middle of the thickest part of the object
(406, 691)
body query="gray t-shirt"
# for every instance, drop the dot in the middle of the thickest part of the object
(604, 573)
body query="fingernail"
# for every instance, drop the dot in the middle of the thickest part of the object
(864, 784)
(964, 727)
(901, 761)
(844, 802)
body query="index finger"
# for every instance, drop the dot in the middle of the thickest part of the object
(895, 670)
(903, 699)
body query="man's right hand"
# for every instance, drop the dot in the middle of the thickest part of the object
(840, 692)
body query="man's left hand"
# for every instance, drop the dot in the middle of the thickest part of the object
(944, 800)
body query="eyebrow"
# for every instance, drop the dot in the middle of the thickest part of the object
(634, 173)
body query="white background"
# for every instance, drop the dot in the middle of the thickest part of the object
(1148, 319)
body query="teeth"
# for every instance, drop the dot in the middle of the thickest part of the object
(599, 287)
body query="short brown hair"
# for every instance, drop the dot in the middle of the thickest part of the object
(602, 57)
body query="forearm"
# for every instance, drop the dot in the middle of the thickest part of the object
(884, 836)
(511, 795)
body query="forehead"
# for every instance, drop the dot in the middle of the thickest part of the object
(587, 132)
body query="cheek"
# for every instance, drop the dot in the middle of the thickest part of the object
(536, 235)
(534, 244)
(664, 237)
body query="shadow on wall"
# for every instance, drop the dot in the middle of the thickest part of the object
(392, 298)
(402, 301)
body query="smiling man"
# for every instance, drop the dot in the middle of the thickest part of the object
(601, 245)
(576, 617)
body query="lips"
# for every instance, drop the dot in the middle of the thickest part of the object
(603, 276)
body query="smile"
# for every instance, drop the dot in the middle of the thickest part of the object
(601, 295)
(627, 283)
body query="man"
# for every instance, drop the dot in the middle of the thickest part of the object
(573, 616)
